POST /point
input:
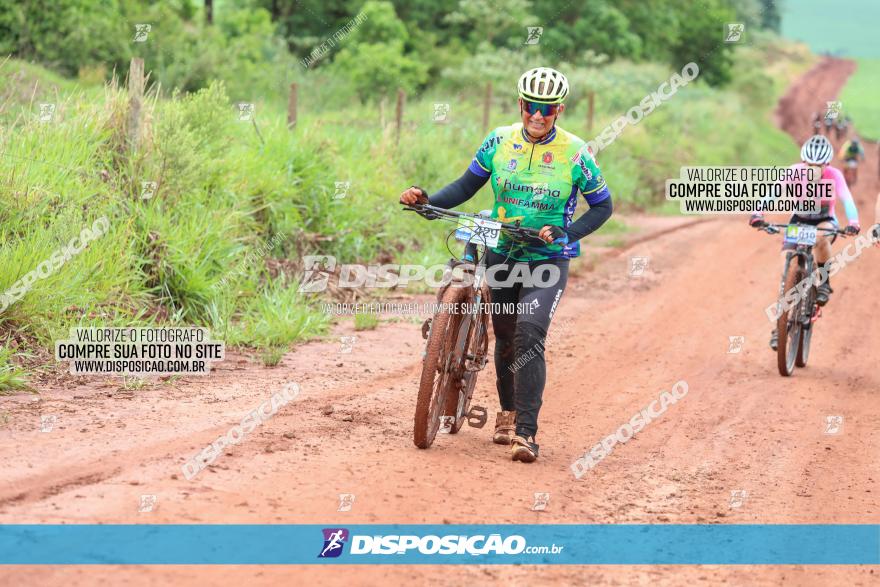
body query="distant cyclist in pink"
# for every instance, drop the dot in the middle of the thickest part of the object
(817, 153)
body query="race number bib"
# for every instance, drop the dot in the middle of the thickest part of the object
(799, 234)
(486, 231)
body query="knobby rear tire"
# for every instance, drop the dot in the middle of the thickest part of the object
(806, 336)
(789, 338)
(438, 375)
(474, 345)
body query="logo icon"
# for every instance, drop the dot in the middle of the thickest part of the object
(341, 189)
(540, 190)
(533, 35)
(441, 111)
(334, 540)
(833, 109)
(446, 423)
(148, 502)
(833, 424)
(245, 111)
(637, 266)
(317, 272)
(734, 32)
(738, 497)
(347, 343)
(735, 344)
(548, 157)
(141, 31)
(148, 188)
(47, 422)
(512, 165)
(541, 501)
(517, 147)
(346, 501)
(47, 112)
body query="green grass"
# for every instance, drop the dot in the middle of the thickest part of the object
(221, 242)
(859, 98)
(12, 378)
(365, 321)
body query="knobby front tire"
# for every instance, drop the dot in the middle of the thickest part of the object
(438, 372)
(788, 325)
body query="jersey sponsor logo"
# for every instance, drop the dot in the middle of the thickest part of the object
(584, 155)
(548, 157)
(503, 217)
(526, 203)
(585, 168)
(511, 165)
(490, 142)
(541, 189)
(517, 147)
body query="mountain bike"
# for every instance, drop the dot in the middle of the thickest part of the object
(797, 307)
(457, 336)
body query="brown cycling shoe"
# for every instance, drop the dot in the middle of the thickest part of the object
(524, 449)
(505, 426)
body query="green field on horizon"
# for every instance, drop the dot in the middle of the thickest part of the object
(847, 28)
(859, 98)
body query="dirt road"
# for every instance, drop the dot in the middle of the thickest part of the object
(741, 426)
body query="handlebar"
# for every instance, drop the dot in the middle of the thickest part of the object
(433, 213)
(776, 228)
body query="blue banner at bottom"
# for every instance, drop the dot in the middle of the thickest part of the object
(544, 544)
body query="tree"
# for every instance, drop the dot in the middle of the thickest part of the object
(372, 56)
(772, 17)
(701, 40)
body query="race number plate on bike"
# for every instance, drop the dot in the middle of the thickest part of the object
(486, 231)
(799, 234)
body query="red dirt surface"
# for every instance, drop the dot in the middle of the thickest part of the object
(740, 427)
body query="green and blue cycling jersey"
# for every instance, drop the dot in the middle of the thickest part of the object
(538, 184)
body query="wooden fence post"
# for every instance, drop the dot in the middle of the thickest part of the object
(401, 99)
(291, 106)
(591, 102)
(136, 100)
(487, 105)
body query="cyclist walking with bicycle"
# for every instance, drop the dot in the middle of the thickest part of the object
(536, 170)
(816, 154)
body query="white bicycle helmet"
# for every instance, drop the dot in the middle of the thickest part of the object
(817, 150)
(543, 85)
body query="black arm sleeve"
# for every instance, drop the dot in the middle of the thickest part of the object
(589, 220)
(459, 191)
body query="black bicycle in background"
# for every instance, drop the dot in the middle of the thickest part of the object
(797, 308)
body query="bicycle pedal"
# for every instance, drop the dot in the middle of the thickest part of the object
(477, 416)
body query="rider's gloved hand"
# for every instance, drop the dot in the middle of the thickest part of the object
(757, 221)
(555, 235)
(853, 229)
(414, 195)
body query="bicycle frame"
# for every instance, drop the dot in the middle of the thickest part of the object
(469, 347)
(794, 323)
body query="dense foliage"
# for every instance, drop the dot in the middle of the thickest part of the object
(404, 43)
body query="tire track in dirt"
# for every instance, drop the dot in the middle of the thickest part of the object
(741, 426)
